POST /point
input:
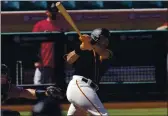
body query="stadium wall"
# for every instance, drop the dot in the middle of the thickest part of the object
(86, 20)
(138, 68)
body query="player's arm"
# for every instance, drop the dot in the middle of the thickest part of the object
(104, 53)
(75, 54)
(35, 93)
(32, 93)
(71, 57)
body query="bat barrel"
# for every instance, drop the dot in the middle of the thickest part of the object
(67, 17)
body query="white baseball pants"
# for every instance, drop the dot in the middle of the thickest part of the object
(81, 95)
(37, 77)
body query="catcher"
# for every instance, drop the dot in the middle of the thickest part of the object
(9, 90)
(91, 60)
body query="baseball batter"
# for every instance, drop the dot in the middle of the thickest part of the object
(90, 60)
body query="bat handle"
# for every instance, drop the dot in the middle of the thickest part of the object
(83, 39)
(80, 35)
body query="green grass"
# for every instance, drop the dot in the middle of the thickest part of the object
(139, 112)
(127, 112)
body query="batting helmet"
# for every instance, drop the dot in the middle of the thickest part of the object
(99, 34)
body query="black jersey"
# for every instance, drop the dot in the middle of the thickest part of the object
(90, 66)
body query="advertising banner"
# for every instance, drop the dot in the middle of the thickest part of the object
(86, 20)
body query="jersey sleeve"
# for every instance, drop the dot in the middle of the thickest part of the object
(105, 65)
(36, 28)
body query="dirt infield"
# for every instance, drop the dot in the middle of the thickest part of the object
(107, 105)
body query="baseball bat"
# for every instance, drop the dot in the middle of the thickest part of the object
(67, 17)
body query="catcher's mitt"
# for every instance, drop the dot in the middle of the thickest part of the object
(55, 92)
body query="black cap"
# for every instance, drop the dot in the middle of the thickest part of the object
(51, 6)
(47, 107)
(99, 33)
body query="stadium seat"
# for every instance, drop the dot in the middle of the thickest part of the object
(40, 4)
(127, 4)
(82, 5)
(10, 5)
(88, 5)
(96, 4)
(69, 5)
(157, 4)
(165, 4)
(146, 4)
(33, 5)
(117, 4)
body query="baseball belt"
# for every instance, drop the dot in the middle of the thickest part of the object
(92, 85)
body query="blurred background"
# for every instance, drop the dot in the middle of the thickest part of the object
(114, 15)
(82, 5)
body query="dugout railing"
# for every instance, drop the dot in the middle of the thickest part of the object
(138, 69)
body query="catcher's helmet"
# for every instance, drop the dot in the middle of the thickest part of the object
(98, 34)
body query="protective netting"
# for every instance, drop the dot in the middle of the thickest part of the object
(124, 74)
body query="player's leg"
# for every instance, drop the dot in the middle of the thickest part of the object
(72, 95)
(82, 95)
(71, 110)
(9, 113)
(37, 76)
(92, 102)
(97, 108)
(70, 89)
(76, 111)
